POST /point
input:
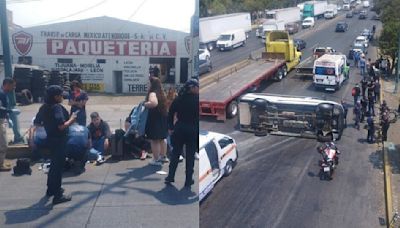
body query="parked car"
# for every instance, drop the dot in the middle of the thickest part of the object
(362, 39)
(341, 26)
(292, 28)
(349, 14)
(308, 22)
(204, 54)
(204, 66)
(300, 44)
(363, 15)
(356, 11)
(367, 33)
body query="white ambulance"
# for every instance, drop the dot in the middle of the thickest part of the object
(330, 71)
(218, 156)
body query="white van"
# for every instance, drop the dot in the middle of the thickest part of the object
(366, 4)
(330, 71)
(218, 156)
(231, 39)
(308, 22)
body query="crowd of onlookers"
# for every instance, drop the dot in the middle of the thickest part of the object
(367, 93)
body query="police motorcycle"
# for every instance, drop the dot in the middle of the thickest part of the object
(330, 160)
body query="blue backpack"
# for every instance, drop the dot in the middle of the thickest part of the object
(138, 120)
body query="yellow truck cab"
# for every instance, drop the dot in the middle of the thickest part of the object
(218, 156)
(280, 45)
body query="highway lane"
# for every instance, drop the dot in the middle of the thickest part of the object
(275, 183)
(225, 58)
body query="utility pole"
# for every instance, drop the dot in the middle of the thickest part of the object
(8, 68)
(398, 66)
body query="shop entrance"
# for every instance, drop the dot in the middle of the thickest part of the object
(117, 79)
(166, 68)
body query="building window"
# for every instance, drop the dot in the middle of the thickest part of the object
(64, 60)
(101, 61)
(25, 60)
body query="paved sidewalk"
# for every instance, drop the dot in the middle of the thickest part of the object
(393, 141)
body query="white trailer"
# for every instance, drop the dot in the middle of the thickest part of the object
(288, 15)
(212, 27)
(331, 11)
(314, 9)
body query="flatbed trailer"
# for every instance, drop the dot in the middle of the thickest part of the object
(219, 98)
(305, 67)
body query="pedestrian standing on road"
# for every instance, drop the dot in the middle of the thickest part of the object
(345, 109)
(7, 87)
(371, 104)
(356, 57)
(100, 134)
(55, 119)
(362, 64)
(185, 131)
(364, 104)
(364, 85)
(371, 129)
(156, 124)
(77, 101)
(357, 115)
(385, 125)
(356, 92)
(377, 91)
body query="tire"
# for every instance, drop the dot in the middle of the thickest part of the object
(285, 71)
(279, 75)
(244, 43)
(228, 168)
(232, 109)
(210, 46)
(327, 138)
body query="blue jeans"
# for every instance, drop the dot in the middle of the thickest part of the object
(98, 144)
(362, 70)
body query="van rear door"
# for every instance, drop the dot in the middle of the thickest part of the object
(209, 170)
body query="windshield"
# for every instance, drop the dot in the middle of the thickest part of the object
(324, 71)
(307, 21)
(269, 27)
(224, 37)
(270, 16)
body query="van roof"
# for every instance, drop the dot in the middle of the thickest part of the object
(207, 136)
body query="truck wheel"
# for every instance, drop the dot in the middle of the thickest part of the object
(228, 168)
(279, 75)
(285, 71)
(232, 109)
(244, 43)
(210, 46)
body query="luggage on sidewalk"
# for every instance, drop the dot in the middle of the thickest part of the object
(117, 144)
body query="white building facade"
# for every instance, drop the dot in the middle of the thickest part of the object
(110, 55)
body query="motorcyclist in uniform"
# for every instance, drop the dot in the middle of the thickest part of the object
(329, 151)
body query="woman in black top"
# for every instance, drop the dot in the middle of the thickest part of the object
(55, 119)
(156, 124)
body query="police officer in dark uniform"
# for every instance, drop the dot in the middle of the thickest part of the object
(55, 119)
(186, 129)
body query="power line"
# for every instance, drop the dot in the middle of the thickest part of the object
(71, 15)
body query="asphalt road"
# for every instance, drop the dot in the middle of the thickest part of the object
(276, 183)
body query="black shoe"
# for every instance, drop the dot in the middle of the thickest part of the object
(62, 199)
(189, 183)
(52, 194)
(168, 180)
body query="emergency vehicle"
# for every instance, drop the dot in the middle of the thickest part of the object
(218, 156)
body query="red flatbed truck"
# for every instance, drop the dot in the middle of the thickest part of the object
(219, 98)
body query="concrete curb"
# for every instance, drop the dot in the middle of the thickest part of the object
(387, 174)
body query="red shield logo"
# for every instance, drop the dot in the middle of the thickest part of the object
(22, 42)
